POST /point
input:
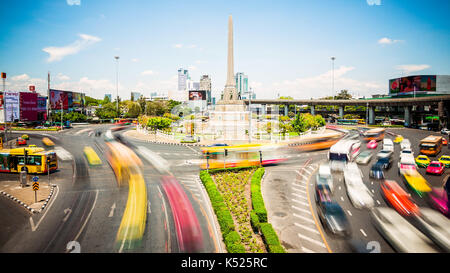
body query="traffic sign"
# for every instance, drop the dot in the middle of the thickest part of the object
(35, 186)
(35, 179)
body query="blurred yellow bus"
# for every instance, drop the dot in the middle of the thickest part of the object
(30, 159)
(374, 134)
(431, 145)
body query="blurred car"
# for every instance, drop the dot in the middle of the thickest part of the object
(91, 156)
(405, 144)
(407, 162)
(118, 128)
(384, 154)
(386, 162)
(364, 157)
(435, 167)
(400, 234)
(445, 131)
(376, 171)
(445, 159)
(324, 177)
(435, 226)
(444, 141)
(358, 193)
(439, 200)
(416, 182)
(332, 215)
(398, 139)
(388, 145)
(26, 137)
(21, 141)
(423, 161)
(188, 139)
(218, 145)
(373, 144)
(406, 152)
(47, 141)
(398, 198)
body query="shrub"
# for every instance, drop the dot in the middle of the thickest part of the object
(236, 248)
(232, 238)
(257, 199)
(254, 221)
(271, 239)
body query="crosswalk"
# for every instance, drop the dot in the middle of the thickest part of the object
(192, 184)
(63, 154)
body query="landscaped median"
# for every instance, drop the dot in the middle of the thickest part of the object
(236, 198)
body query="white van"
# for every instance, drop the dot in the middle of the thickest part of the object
(388, 145)
(342, 152)
(406, 162)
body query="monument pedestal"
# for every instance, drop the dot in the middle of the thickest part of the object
(229, 120)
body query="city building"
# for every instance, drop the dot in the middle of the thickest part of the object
(135, 96)
(241, 84)
(183, 76)
(205, 84)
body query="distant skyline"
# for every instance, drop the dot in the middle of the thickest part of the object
(285, 47)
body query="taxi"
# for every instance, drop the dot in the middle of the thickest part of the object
(91, 156)
(47, 141)
(26, 137)
(423, 161)
(416, 182)
(445, 159)
(398, 139)
(444, 141)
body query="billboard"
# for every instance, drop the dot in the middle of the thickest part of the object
(12, 106)
(76, 100)
(41, 104)
(58, 96)
(28, 106)
(197, 95)
(408, 85)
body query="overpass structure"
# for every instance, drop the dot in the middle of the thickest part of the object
(441, 101)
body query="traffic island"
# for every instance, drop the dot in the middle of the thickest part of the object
(33, 201)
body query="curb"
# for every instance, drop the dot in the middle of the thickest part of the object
(25, 205)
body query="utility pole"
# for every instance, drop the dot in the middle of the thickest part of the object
(4, 104)
(117, 82)
(250, 116)
(332, 77)
(62, 111)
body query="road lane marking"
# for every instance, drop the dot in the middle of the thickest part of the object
(34, 227)
(113, 207)
(295, 189)
(342, 198)
(349, 212)
(299, 196)
(67, 211)
(363, 233)
(87, 218)
(307, 228)
(303, 217)
(298, 185)
(311, 240)
(302, 175)
(63, 154)
(378, 202)
(307, 250)
(300, 202)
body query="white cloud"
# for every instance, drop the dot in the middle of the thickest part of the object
(135, 60)
(192, 67)
(388, 41)
(73, 2)
(374, 2)
(147, 72)
(200, 62)
(62, 77)
(58, 53)
(177, 46)
(92, 87)
(192, 46)
(318, 86)
(408, 68)
(22, 77)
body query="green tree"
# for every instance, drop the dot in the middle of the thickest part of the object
(90, 101)
(320, 121)
(158, 123)
(300, 123)
(107, 111)
(134, 110)
(343, 95)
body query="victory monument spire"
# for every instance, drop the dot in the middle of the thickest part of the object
(230, 92)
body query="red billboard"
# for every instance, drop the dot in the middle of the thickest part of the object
(197, 95)
(28, 106)
(58, 96)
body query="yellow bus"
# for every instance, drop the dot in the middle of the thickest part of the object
(37, 160)
(374, 134)
(431, 145)
(245, 155)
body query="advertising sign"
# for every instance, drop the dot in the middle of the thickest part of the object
(411, 84)
(58, 96)
(197, 95)
(28, 106)
(41, 104)
(12, 106)
(32, 88)
(76, 100)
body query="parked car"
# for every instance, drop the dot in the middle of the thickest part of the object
(402, 235)
(398, 198)
(435, 167)
(445, 159)
(373, 144)
(376, 171)
(423, 161)
(364, 157)
(384, 154)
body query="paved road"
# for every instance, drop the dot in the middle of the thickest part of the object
(289, 195)
(88, 205)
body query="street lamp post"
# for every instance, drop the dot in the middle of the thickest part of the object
(250, 116)
(62, 111)
(332, 77)
(117, 82)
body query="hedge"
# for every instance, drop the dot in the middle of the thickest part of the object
(258, 216)
(213, 171)
(226, 223)
(257, 199)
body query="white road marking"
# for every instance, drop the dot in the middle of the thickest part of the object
(299, 190)
(340, 188)
(307, 250)
(87, 218)
(300, 202)
(63, 154)
(349, 212)
(300, 209)
(312, 240)
(302, 175)
(149, 208)
(113, 207)
(298, 185)
(304, 218)
(299, 196)
(373, 191)
(34, 227)
(363, 233)
(342, 198)
(307, 228)
(305, 170)
(378, 202)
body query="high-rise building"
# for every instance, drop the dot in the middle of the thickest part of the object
(135, 96)
(241, 84)
(205, 83)
(183, 77)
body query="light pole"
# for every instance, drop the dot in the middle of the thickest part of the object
(332, 77)
(3, 74)
(250, 116)
(62, 111)
(117, 82)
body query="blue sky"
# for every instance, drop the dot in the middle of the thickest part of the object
(283, 46)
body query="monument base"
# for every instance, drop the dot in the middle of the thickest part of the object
(229, 120)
